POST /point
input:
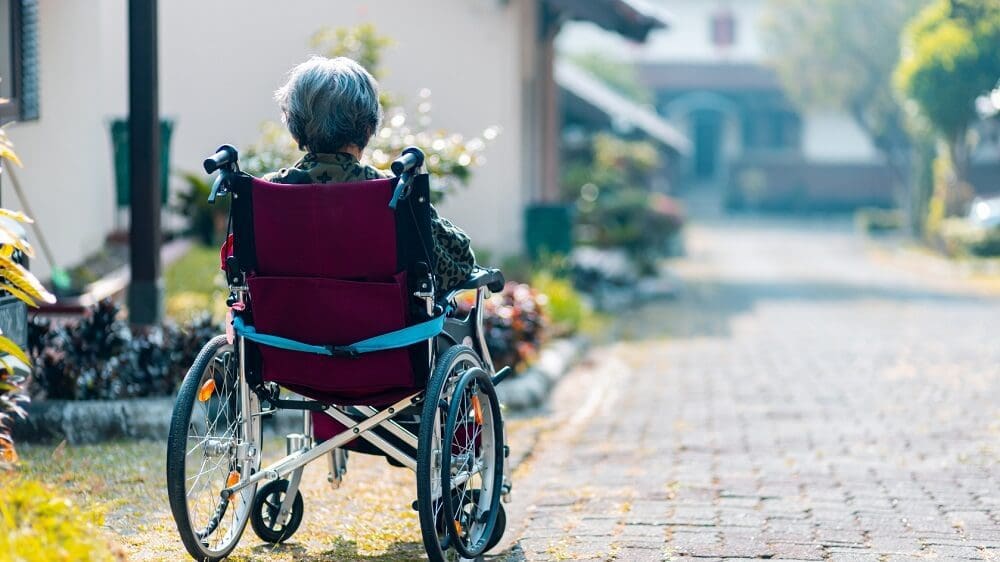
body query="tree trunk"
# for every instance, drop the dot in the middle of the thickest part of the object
(958, 192)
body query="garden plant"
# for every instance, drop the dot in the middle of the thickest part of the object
(37, 522)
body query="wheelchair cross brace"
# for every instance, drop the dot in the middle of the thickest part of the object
(302, 457)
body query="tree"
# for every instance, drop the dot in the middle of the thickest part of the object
(951, 58)
(839, 54)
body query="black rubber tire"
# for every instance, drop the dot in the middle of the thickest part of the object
(177, 450)
(499, 528)
(269, 497)
(480, 378)
(426, 475)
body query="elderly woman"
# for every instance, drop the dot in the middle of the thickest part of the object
(331, 108)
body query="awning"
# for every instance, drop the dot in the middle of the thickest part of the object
(619, 110)
(633, 19)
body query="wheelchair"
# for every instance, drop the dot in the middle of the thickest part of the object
(333, 312)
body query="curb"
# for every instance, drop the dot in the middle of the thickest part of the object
(531, 388)
(94, 421)
(80, 422)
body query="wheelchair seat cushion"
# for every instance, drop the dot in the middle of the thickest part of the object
(322, 311)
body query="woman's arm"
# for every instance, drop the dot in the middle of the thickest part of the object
(453, 249)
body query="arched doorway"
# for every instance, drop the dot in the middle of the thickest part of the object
(706, 135)
(712, 123)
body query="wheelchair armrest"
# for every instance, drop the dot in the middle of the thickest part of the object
(482, 277)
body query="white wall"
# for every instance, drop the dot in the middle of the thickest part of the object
(68, 174)
(835, 137)
(220, 63)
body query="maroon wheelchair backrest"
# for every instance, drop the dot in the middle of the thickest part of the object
(330, 264)
(335, 231)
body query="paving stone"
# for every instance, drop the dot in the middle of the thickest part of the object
(797, 400)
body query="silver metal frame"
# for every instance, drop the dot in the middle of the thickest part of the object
(302, 457)
(302, 449)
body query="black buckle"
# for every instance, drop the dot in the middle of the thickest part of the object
(342, 352)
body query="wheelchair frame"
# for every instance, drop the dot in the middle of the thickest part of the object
(305, 452)
(359, 421)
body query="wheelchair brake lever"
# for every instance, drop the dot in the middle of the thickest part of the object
(217, 188)
(501, 375)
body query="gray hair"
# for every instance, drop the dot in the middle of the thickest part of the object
(329, 104)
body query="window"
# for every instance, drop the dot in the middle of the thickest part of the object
(723, 29)
(18, 60)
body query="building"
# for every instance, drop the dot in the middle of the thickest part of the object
(590, 106)
(487, 62)
(710, 80)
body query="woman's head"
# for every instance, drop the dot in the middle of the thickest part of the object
(330, 104)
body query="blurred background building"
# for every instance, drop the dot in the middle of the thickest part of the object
(711, 81)
(487, 62)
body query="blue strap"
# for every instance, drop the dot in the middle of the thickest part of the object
(393, 340)
(402, 338)
(250, 333)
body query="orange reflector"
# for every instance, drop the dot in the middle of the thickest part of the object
(206, 390)
(458, 528)
(232, 480)
(478, 409)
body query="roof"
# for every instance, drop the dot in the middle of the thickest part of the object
(633, 19)
(618, 109)
(724, 76)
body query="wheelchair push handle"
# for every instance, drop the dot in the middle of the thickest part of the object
(224, 160)
(223, 157)
(409, 162)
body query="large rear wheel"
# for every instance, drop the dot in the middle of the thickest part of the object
(473, 472)
(214, 442)
(436, 442)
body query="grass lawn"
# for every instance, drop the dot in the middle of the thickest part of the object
(368, 519)
(195, 284)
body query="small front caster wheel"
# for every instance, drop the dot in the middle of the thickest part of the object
(264, 516)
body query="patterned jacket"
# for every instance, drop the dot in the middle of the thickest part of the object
(452, 246)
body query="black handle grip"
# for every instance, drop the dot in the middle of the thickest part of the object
(224, 156)
(411, 159)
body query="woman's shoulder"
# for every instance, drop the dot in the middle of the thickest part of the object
(288, 175)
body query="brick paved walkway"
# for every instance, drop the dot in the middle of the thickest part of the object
(798, 401)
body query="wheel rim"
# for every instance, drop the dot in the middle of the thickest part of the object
(272, 507)
(215, 434)
(440, 417)
(470, 469)
(438, 547)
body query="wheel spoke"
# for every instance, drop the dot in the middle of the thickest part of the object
(213, 437)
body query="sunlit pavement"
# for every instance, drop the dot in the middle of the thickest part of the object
(798, 400)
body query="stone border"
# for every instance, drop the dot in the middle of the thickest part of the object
(531, 388)
(95, 421)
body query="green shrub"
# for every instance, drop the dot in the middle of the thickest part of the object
(207, 220)
(987, 245)
(879, 221)
(39, 524)
(957, 237)
(567, 310)
(642, 224)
